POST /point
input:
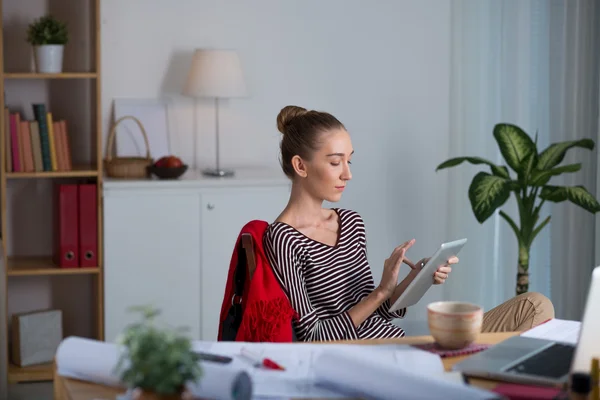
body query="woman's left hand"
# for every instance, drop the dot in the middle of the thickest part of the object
(443, 271)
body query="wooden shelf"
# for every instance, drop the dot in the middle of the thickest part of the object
(77, 172)
(42, 372)
(29, 266)
(64, 75)
(20, 87)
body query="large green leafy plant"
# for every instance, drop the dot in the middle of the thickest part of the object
(156, 360)
(47, 30)
(530, 185)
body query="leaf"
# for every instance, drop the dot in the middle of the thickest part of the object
(539, 228)
(513, 225)
(555, 153)
(515, 145)
(575, 194)
(487, 193)
(540, 178)
(501, 171)
(530, 163)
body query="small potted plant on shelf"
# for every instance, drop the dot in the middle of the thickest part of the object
(156, 362)
(48, 36)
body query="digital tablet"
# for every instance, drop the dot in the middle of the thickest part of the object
(424, 279)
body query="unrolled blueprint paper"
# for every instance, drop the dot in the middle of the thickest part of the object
(307, 363)
(556, 329)
(95, 361)
(368, 376)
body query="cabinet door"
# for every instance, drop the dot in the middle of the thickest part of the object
(224, 213)
(152, 257)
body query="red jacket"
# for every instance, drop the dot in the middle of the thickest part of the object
(266, 313)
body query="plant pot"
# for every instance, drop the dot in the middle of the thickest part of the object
(49, 58)
(148, 395)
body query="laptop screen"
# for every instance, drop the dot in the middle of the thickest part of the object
(588, 345)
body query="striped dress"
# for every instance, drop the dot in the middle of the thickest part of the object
(324, 282)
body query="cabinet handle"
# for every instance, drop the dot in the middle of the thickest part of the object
(210, 206)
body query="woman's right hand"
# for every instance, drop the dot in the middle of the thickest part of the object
(391, 268)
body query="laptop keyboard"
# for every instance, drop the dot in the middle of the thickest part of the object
(552, 362)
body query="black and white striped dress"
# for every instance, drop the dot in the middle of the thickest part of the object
(324, 282)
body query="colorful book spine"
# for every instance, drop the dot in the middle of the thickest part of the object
(66, 144)
(27, 151)
(14, 137)
(52, 140)
(39, 112)
(7, 141)
(36, 146)
(20, 141)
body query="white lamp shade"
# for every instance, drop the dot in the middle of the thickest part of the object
(215, 73)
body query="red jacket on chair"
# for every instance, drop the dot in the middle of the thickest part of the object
(265, 313)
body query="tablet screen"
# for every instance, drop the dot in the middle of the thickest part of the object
(423, 281)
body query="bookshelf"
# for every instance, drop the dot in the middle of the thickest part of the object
(30, 278)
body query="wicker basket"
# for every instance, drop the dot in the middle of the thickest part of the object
(127, 167)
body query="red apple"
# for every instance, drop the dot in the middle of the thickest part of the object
(169, 162)
(161, 161)
(173, 162)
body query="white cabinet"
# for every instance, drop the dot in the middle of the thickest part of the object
(152, 256)
(169, 244)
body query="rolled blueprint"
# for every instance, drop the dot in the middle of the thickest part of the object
(223, 383)
(88, 360)
(360, 374)
(95, 361)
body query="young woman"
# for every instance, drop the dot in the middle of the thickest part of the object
(319, 255)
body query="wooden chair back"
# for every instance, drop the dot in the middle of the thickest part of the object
(248, 245)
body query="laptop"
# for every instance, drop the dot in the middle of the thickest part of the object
(537, 361)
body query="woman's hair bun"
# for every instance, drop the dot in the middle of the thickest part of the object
(286, 114)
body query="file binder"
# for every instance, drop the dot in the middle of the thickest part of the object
(66, 253)
(88, 225)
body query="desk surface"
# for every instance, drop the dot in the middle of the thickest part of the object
(71, 389)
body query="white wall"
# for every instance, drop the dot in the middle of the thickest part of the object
(381, 67)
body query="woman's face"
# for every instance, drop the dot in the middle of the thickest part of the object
(325, 176)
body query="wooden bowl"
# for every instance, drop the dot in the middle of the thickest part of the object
(454, 324)
(166, 172)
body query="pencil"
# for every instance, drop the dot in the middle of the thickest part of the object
(595, 373)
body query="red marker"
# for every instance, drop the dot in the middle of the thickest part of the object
(259, 361)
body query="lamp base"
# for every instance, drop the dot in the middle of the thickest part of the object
(218, 172)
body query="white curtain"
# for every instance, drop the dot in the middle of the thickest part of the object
(521, 61)
(574, 90)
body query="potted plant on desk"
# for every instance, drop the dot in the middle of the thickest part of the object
(156, 362)
(531, 186)
(48, 36)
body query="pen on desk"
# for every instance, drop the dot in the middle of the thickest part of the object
(259, 361)
(465, 379)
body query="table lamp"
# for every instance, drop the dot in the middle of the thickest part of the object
(215, 74)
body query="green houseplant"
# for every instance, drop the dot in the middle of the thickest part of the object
(156, 361)
(530, 185)
(48, 36)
